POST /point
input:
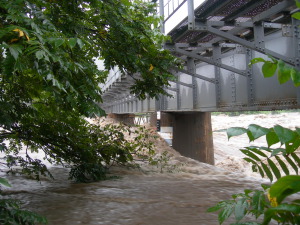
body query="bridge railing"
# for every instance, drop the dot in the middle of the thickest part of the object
(113, 76)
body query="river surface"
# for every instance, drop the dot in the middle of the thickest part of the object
(138, 197)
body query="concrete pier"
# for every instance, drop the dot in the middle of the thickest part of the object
(127, 119)
(192, 134)
(153, 119)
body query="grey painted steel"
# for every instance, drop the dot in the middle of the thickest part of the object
(296, 44)
(193, 74)
(191, 14)
(162, 14)
(217, 49)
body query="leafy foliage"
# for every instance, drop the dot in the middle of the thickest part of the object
(96, 149)
(284, 71)
(270, 203)
(49, 80)
(267, 203)
(266, 160)
(249, 202)
(12, 214)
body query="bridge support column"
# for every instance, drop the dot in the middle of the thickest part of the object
(192, 136)
(127, 118)
(153, 119)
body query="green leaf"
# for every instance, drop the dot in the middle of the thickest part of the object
(257, 151)
(257, 131)
(283, 166)
(256, 166)
(297, 201)
(276, 151)
(298, 3)
(274, 168)
(261, 171)
(126, 2)
(217, 207)
(284, 134)
(249, 160)
(80, 43)
(293, 165)
(15, 50)
(296, 15)
(245, 223)
(295, 75)
(282, 208)
(265, 186)
(269, 69)
(39, 54)
(250, 136)
(250, 154)
(4, 182)
(296, 158)
(258, 203)
(240, 208)
(293, 145)
(235, 131)
(72, 42)
(272, 138)
(284, 187)
(225, 213)
(58, 42)
(256, 60)
(284, 72)
(267, 171)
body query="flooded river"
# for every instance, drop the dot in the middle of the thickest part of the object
(138, 197)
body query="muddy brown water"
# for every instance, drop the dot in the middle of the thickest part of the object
(180, 198)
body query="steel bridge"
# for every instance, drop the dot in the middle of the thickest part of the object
(217, 40)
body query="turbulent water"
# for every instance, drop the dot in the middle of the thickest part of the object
(138, 197)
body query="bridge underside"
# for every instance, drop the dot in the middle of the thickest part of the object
(217, 41)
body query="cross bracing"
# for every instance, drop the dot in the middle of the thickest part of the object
(217, 40)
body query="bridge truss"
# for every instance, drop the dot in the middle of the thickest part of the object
(217, 40)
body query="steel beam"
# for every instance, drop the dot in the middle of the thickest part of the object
(245, 8)
(171, 89)
(182, 83)
(240, 24)
(210, 61)
(217, 58)
(191, 67)
(247, 44)
(273, 10)
(296, 42)
(162, 15)
(191, 14)
(193, 74)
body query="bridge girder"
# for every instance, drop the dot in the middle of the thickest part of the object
(217, 49)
